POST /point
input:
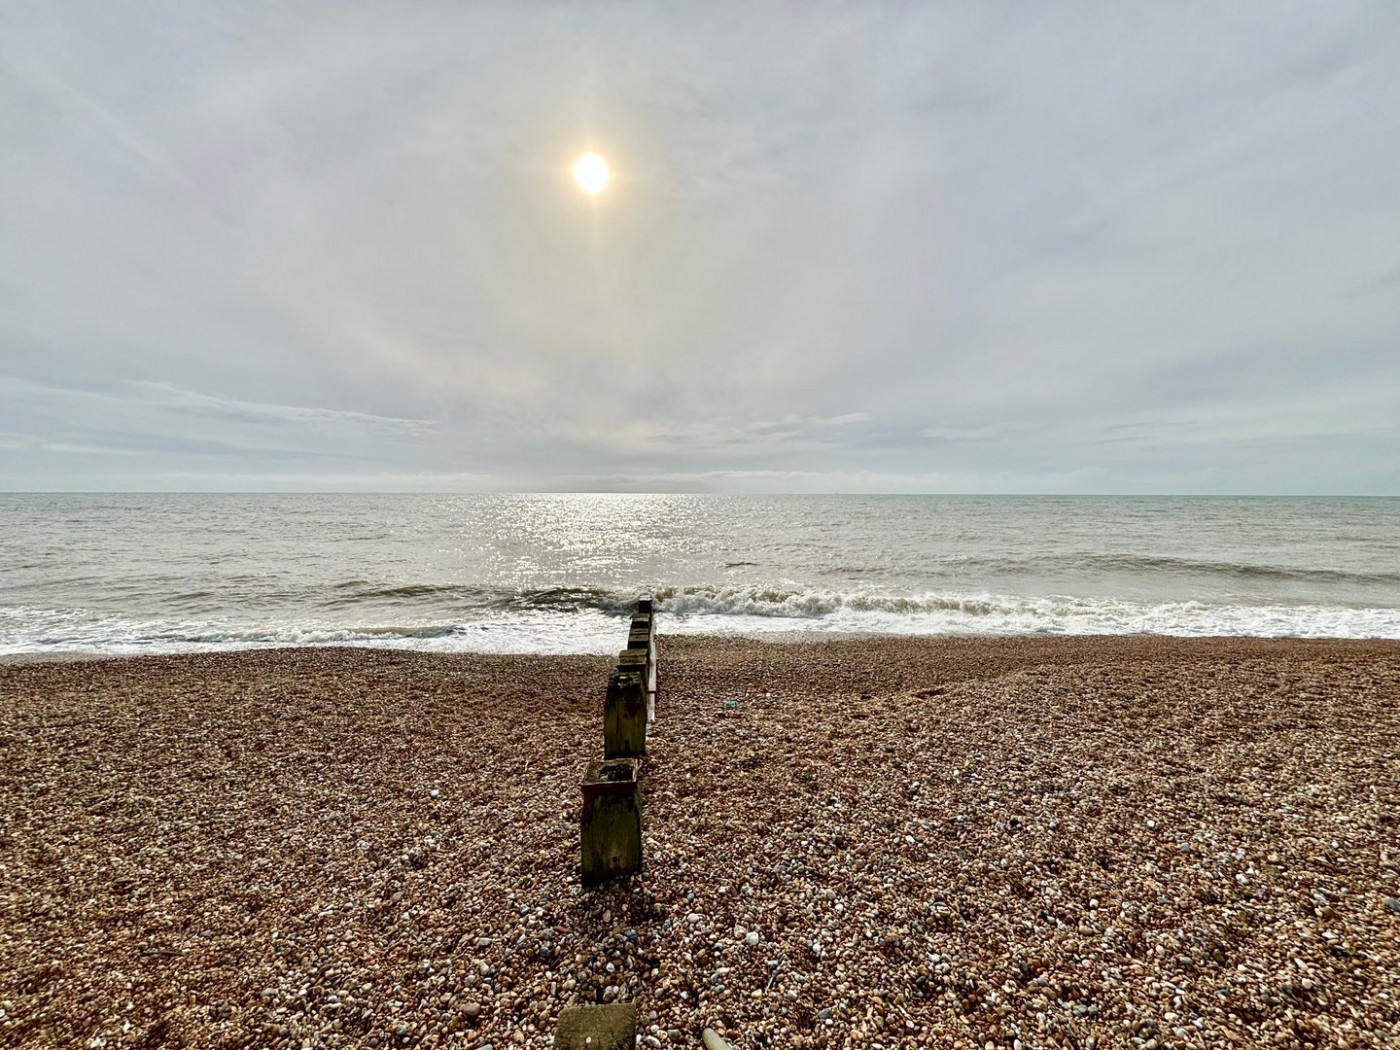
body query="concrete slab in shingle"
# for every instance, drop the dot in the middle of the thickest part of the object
(611, 1027)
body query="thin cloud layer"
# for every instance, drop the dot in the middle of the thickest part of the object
(871, 247)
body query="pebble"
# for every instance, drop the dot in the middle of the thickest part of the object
(1101, 738)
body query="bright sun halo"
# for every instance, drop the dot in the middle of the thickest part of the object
(591, 173)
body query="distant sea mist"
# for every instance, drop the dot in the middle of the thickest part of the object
(556, 573)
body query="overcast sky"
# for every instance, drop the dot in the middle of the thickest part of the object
(965, 247)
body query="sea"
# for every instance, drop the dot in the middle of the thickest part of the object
(559, 573)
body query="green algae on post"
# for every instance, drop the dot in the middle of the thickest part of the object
(610, 824)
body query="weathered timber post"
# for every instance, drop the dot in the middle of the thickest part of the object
(610, 1027)
(642, 635)
(610, 824)
(637, 661)
(646, 616)
(625, 717)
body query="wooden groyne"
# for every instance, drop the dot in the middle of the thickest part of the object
(610, 821)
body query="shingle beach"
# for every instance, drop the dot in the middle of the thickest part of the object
(1015, 842)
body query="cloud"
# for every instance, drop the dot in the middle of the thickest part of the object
(30, 443)
(953, 247)
(209, 406)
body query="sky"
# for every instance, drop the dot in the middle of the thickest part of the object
(1068, 247)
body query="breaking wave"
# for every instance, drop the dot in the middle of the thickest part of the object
(583, 620)
(1160, 565)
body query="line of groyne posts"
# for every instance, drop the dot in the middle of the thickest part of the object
(610, 823)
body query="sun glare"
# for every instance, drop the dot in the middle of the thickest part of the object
(591, 173)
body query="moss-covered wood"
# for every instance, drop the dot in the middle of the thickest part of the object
(610, 823)
(610, 1027)
(625, 717)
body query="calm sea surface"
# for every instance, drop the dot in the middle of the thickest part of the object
(556, 573)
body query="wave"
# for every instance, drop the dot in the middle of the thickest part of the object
(699, 611)
(763, 610)
(1156, 564)
(685, 601)
(804, 604)
(587, 619)
(468, 597)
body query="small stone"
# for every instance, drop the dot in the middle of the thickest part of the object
(751, 938)
(472, 1009)
(714, 1041)
(1392, 905)
(483, 942)
(694, 916)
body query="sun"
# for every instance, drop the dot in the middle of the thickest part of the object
(591, 173)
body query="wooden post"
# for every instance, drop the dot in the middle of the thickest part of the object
(637, 662)
(625, 717)
(642, 636)
(646, 606)
(611, 1027)
(610, 824)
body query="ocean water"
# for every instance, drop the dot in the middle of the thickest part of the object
(558, 573)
